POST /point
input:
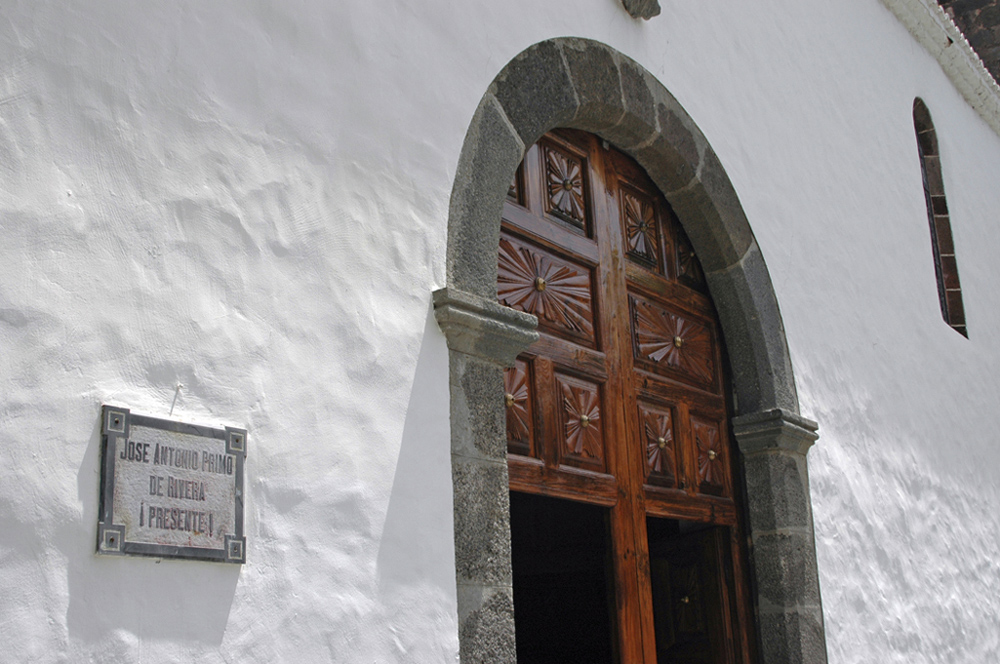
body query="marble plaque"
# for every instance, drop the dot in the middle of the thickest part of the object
(170, 489)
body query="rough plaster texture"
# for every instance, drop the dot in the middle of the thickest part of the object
(251, 199)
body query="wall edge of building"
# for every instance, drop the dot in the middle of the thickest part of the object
(935, 30)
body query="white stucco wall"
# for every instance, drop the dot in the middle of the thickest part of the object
(250, 199)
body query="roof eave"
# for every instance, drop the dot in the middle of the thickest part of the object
(936, 31)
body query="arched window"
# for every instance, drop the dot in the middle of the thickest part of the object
(945, 265)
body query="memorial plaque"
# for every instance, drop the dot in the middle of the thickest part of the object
(170, 489)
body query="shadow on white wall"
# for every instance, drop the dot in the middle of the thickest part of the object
(122, 601)
(416, 557)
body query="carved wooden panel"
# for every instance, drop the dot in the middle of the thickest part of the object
(672, 342)
(688, 266)
(640, 228)
(518, 403)
(580, 405)
(711, 456)
(565, 195)
(687, 582)
(515, 191)
(554, 289)
(657, 431)
(663, 605)
(687, 595)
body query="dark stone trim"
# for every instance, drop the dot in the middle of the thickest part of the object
(486, 619)
(774, 444)
(481, 327)
(578, 83)
(646, 9)
(774, 429)
(755, 335)
(483, 337)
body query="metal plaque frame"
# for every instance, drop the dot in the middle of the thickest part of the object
(116, 422)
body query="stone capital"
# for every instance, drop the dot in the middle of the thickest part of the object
(774, 430)
(477, 326)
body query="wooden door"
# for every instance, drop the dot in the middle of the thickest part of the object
(690, 597)
(621, 403)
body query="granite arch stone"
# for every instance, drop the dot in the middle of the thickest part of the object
(583, 84)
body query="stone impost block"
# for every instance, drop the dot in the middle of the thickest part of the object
(479, 326)
(774, 430)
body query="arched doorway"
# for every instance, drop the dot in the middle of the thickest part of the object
(586, 85)
(619, 413)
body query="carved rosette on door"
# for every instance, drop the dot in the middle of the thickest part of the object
(621, 403)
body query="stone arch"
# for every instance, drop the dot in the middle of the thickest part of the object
(582, 84)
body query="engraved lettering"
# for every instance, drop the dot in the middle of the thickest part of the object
(173, 518)
(186, 489)
(134, 451)
(217, 463)
(155, 485)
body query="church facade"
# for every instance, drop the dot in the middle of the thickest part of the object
(614, 331)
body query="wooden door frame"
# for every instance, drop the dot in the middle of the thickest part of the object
(582, 84)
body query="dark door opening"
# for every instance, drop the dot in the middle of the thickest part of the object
(562, 598)
(688, 568)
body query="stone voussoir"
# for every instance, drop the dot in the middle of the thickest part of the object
(490, 155)
(637, 125)
(536, 92)
(597, 81)
(722, 235)
(675, 124)
(671, 159)
(755, 335)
